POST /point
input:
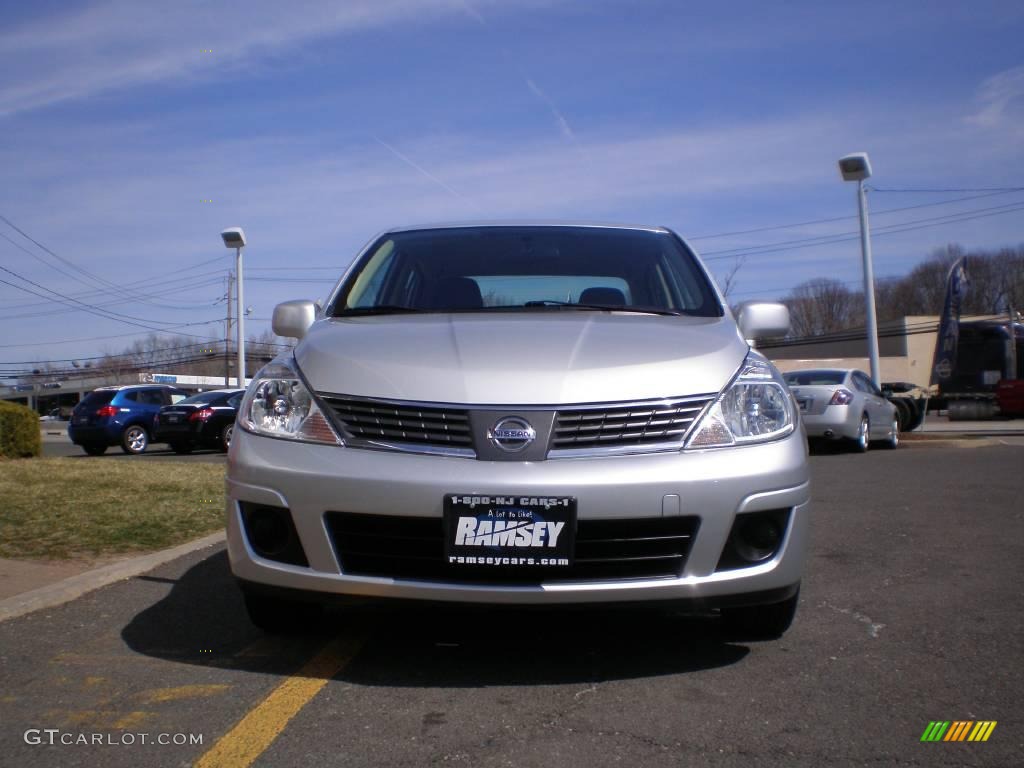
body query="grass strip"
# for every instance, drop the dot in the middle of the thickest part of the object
(64, 508)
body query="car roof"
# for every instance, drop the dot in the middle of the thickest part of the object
(526, 223)
(124, 387)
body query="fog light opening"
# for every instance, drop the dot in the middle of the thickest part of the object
(271, 534)
(755, 538)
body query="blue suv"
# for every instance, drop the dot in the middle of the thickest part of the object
(119, 416)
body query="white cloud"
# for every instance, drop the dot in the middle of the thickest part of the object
(122, 43)
(997, 96)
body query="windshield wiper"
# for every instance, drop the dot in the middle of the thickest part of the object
(378, 309)
(602, 307)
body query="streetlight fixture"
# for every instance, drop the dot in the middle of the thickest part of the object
(857, 167)
(234, 237)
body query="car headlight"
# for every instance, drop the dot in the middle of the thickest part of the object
(278, 404)
(755, 408)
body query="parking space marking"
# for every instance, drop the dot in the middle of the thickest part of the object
(179, 692)
(258, 729)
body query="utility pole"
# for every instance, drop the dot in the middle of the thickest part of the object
(227, 334)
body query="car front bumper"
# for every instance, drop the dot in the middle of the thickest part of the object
(712, 485)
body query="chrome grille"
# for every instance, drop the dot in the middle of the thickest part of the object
(614, 425)
(413, 424)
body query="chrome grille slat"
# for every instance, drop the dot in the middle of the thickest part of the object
(413, 424)
(618, 427)
(634, 424)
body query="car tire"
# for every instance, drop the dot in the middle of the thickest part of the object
(893, 441)
(181, 448)
(281, 617)
(903, 412)
(225, 437)
(862, 441)
(95, 449)
(135, 439)
(760, 622)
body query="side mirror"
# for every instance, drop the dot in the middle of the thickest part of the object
(763, 320)
(293, 318)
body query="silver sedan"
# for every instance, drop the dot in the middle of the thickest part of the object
(843, 403)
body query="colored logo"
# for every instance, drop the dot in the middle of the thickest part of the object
(958, 730)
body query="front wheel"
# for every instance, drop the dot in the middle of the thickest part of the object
(279, 616)
(135, 439)
(760, 622)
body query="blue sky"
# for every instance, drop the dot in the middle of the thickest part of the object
(315, 125)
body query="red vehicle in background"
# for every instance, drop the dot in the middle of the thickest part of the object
(1010, 397)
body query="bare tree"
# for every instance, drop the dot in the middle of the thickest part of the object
(728, 282)
(822, 305)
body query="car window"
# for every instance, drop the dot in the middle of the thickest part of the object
(863, 383)
(814, 378)
(201, 398)
(131, 397)
(528, 268)
(97, 398)
(235, 400)
(150, 397)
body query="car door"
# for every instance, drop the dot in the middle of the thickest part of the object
(874, 403)
(150, 402)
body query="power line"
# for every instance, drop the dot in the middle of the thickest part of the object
(106, 314)
(910, 226)
(105, 285)
(994, 190)
(97, 292)
(184, 307)
(846, 218)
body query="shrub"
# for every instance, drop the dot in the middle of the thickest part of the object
(19, 431)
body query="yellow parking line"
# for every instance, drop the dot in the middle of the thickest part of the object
(240, 746)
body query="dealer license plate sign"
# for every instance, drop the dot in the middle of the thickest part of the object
(509, 531)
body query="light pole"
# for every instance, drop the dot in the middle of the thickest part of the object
(235, 238)
(857, 167)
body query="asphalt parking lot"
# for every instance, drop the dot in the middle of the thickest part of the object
(910, 613)
(155, 452)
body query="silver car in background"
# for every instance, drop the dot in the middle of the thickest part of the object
(844, 404)
(527, 414)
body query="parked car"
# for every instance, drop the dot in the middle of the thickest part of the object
(844, 404)
(522, 414)
(203, 420)
(119, 416)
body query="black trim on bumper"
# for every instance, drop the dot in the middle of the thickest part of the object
(682, 605)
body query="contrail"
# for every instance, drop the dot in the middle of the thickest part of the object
(563, 124)
(419, 168)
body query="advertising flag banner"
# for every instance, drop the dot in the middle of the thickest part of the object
(944, 359)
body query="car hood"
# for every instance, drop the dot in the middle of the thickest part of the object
(547, 358)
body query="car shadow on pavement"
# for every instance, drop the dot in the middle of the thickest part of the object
(202, 621)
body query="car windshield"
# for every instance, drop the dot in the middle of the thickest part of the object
(812, 378)
(546, 268)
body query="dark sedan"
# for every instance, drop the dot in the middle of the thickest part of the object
(206, 420)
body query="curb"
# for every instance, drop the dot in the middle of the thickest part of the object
(74, 587)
